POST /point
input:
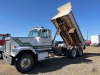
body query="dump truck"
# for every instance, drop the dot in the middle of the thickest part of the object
(23, 52)
(2, 42)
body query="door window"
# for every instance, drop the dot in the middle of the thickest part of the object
(44, 34)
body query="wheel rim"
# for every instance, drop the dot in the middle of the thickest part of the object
(80, 52)
(73, 53)
(25, 63)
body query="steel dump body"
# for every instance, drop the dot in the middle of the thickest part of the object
(68, 27)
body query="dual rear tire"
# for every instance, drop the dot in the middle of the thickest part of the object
(74, 52)
(79, 52)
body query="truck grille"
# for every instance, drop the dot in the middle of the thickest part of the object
(8, 46)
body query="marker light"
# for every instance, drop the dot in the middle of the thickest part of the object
(14, 46)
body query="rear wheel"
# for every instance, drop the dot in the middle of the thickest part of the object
(79, 52)
(24, 63)
(72, 53)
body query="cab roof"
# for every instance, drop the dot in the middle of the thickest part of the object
(38, 28)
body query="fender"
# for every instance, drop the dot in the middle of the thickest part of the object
(15, 51)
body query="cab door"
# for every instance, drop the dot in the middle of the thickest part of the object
(45, 37)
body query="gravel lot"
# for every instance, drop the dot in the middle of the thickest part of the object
(89, 64)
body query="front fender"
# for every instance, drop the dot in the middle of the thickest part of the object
(15, 51)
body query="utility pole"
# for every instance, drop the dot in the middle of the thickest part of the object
(87, 34)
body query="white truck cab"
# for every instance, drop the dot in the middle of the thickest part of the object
(26, 50)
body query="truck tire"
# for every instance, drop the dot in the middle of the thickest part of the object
(79, 52)
(24, 62)
(1, 56)
(72, 53)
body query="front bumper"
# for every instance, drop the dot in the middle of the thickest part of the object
(7, 58)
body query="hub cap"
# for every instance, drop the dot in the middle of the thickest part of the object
(25, 63)
(80, 52)
(73, 53)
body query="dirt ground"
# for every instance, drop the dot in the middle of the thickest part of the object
(88, 64)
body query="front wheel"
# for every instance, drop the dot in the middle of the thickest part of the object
(24, 62)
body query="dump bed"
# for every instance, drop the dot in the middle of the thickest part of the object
(68, 27)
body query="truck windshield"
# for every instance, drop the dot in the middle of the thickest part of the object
(34, 33)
